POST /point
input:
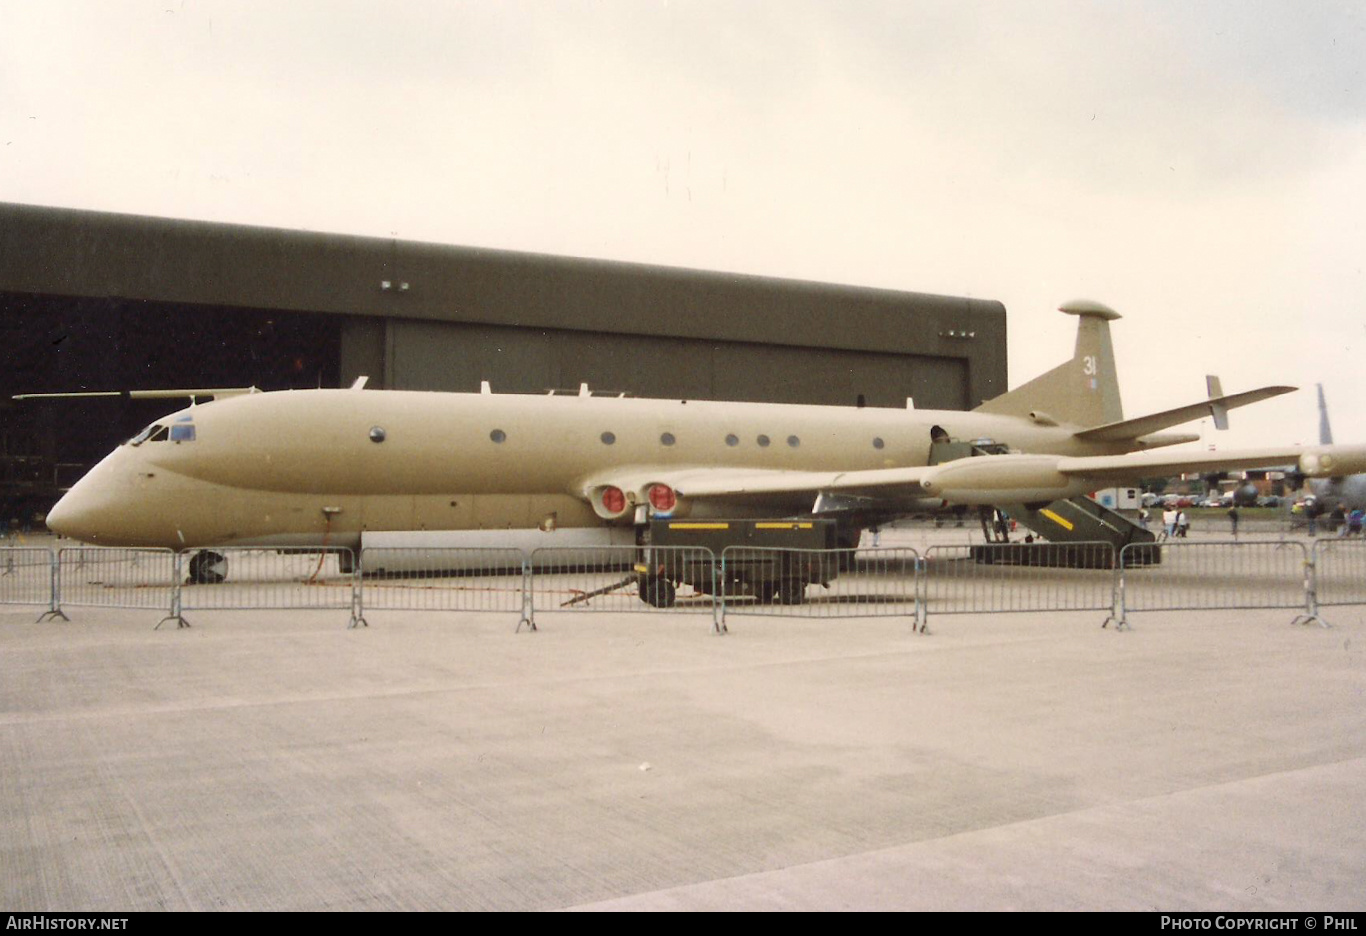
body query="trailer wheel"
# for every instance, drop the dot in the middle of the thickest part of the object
(657, 591)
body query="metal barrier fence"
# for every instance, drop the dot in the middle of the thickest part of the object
(624, 578)
(1339, 572)
(28, 576)
(982, 578)
(443, 579)
(258, 579)
(1015, 577)
(1203, 576)
(823, 583)
(105, 577)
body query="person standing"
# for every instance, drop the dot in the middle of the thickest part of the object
(1233, 520)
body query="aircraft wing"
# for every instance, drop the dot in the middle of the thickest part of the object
(1039, 477)
(740, 483)
(888, 482)
(992, 479)
(1143, 425)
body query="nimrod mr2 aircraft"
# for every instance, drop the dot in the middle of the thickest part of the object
(309, 468)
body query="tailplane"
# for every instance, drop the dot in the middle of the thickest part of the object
(1084, 391)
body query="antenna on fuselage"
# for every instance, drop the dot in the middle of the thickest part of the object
(192, 394)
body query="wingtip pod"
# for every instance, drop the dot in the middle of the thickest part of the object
(1327, 461)
(1000, 479)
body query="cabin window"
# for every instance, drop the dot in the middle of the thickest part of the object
(732, 440)
(878, 443)
(377, 434)
(182, 432)
(763, 441)
(793, 441)
(608, 438)
(667, 439)
(498, 435)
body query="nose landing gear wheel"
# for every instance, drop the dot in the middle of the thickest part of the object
(208, 568)
(657, 591)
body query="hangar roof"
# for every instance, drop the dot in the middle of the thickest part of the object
(62, 251)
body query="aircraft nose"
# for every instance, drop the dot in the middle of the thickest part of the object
(92, 510)
(72, 516)
(108, 506)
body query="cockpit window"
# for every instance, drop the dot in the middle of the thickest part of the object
(155, 432)
(182, 431)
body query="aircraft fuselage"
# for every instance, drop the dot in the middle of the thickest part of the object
(312, 466)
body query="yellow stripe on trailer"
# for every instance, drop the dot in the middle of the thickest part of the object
(699, 526)
(1065, 524)
(782, 526)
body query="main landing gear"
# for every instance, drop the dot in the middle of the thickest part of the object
(786, 591)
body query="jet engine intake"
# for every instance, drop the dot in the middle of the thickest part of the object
(610, 502)
(662, 498)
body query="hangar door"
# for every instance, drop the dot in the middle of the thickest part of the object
(456, 357)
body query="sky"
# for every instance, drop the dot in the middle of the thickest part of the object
(1200, 167)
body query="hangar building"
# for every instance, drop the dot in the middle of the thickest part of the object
(98, 301)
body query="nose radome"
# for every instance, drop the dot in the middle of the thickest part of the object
(82, 513)
(65, 517)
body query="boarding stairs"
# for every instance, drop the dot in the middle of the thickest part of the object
(1068, 520)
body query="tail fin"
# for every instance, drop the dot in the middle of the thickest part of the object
(1216, 408)
(1085, 390)
(1325, 430)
